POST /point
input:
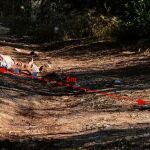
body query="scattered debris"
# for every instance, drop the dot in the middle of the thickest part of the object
(117, 82)
(33, 53)
(18, 50)
(128, 52)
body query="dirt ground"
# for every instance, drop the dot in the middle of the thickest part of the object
(34, 116)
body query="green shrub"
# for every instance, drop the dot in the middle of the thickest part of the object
(135, 21)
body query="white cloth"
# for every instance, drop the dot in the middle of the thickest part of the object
(35, 68)
(6, 61)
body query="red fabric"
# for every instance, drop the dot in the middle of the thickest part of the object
(3, 70)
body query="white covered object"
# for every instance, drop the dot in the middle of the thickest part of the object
(6, 61)
(34, 67)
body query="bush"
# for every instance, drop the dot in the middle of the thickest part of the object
(73, 26)
(103, 27)
(135, 21)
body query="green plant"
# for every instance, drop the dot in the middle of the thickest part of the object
(135, 21)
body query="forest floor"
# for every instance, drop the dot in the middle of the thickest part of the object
(33, 116)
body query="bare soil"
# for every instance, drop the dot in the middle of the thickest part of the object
(35, 116)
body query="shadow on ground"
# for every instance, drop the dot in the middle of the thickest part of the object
(135, 138)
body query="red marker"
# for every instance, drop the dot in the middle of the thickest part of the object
(3, 70)
(141, 102)
(67, 85)
(60, 83)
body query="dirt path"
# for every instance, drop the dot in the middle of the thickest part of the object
(31, 110)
